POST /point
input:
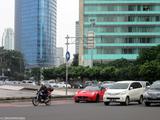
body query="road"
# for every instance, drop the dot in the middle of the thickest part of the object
(68, 110)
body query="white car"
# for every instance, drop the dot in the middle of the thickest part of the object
(28, 82)
(52, 83)
(124, 92)
(63, 85)
(1, 82)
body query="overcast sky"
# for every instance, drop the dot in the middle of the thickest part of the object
(67, 15)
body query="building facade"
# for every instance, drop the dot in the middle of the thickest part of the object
(35, 31)
(59, 57)
(8, 39)
(77, 37)
(121, 28)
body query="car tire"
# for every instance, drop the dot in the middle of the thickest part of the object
(140, 100)
(127, 101)
(106, 103)
(76, 101)
(97, 98)
(147, 103)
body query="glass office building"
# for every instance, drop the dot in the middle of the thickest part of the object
(35, 31)
(122, 28)
(8, 39)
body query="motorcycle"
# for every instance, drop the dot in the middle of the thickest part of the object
(41, 99)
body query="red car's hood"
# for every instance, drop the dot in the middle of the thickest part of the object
(85, 93)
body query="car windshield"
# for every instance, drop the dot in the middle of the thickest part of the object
(119, 86)
(155, 85)
(92, 88)
(107, 85)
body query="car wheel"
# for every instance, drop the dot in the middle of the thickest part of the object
(76, 101)
(127, 101)
(147, 103)
(106, 103)
(122, 103)
(140, 100)
(97, 98)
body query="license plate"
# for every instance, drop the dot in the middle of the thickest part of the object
(112, 100)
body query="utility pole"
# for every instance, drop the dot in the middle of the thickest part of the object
(67, 59)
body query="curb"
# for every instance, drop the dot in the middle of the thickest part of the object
(22, 99)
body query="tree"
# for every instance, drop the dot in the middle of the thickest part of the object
(54, 73)
(36, 73)
(133, 72)
(11, 63)
(149, 54)
(75, 60)
(122, 74)
(150, 71)
(120, 63)
(107, 73)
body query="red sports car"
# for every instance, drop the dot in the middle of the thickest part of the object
(90, 93)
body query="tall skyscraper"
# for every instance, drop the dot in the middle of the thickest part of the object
(8, 39)
(121, 27)
(59, 56)
(35, 31)
(77, 37)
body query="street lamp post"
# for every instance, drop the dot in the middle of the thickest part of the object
(41, 65)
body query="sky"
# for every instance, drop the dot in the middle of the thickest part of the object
(67, 15)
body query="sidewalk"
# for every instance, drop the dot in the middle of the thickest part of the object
(18, 92)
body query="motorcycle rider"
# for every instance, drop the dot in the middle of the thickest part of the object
(44, 91)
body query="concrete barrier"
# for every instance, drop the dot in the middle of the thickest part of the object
(11, 87)
(19, 87)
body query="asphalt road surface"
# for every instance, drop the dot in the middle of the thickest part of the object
(68, 110)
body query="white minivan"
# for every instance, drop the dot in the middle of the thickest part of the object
(124, 92)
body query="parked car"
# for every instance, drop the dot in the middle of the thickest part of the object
(107, 85)
(88, 83)
(52, 83)
(15, 82)
(152, 95)
(1, 82)
(63, 85)
(28, 82)
(77, 85)
(145, 84)
(124, 92)
(90, 93)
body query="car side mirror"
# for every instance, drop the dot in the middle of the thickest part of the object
(131, 88)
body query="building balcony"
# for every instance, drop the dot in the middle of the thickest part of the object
(130, 34)
(111, 56)
(126, 44)
(123, 13)
(122, 2)
(126, 23)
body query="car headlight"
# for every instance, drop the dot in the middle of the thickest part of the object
(145, 94)
(76, 93)
(106, 93)
(93, 93)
